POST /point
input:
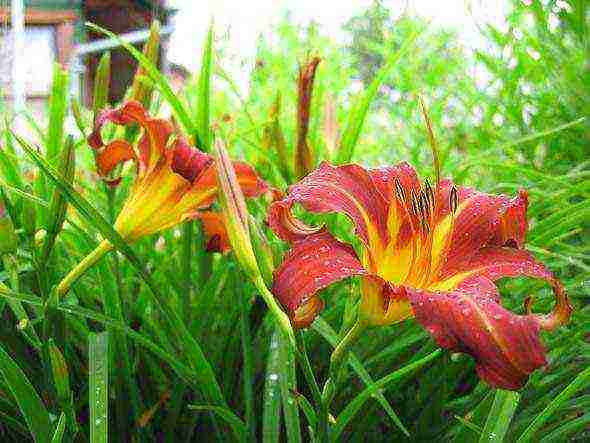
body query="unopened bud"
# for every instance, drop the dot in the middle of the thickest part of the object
(262, 250)
(29, 214)
(235, 212)
(304, 158)
(102, 82)
(140, 89)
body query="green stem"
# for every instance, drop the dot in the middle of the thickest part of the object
(247, 368)
(305, 364)
(11, 267)
(187, 254)
(274, 308)
(336, 360)
(86, 263)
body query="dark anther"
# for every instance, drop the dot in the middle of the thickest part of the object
(454, 200)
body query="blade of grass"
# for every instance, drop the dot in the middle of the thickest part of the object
(271, 417)
(326, 331)
(288, 384)
(29, 402)
(360, 108)
(500, 416)
(60, 429)
(98, 356)
(580, 382)
(191, 348)
(156, 76)
(237, 425)
(384, 383)
(203, 108)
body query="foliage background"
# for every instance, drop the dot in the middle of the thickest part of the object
(514, 116)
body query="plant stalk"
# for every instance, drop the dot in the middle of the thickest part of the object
(87, 262)
(336, 360)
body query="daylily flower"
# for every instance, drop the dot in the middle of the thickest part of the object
(174, 180)
(427, 252)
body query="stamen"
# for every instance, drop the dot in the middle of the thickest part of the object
(399, 191)
(430, 195)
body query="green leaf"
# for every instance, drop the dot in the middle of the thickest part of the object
(271, 417)
(57, 113)
(29, 402)
(356, 404)
(288, 384)
(98, 356)
(203, 107)
(58, 435)
(190, 346)
(237, 425)
(580, 382)
(358, 113)
(326, 331)
(156, 76)
(500, 416)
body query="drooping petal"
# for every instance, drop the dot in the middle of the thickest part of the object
(216, 239)
(152, 146)
(470, 319)
(347, 189)
(496, 263)
(116, 152)
(312, 264)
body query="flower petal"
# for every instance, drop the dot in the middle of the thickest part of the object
(470, 319)
(153, 143)
(187, 160)
(481, 220)
(310, 265)
(116, 152)
(204, 188)
(216, 239)
(348, 189)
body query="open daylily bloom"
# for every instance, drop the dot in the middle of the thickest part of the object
(427, 252)
(175, 181)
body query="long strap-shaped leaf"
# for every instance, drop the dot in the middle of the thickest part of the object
(326, 331)
(190, 346)
(359, 110)
(500, 416)
(157, 77)
(28, 400)
(355, 405)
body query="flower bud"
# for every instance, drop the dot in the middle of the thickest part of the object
(29, 214)
(262, 250)
(140, 90)
(102, 82)
(58, 206)
(61, 377)
(234, 211)
(304, 158)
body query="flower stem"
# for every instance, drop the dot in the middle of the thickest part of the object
(336, 360)
(279, 315)
(86, 263)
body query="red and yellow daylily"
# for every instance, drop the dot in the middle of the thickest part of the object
(429, 252)
(174, 182)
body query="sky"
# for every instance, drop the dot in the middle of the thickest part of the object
(248, 19)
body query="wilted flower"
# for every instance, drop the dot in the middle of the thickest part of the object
(432, 253)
